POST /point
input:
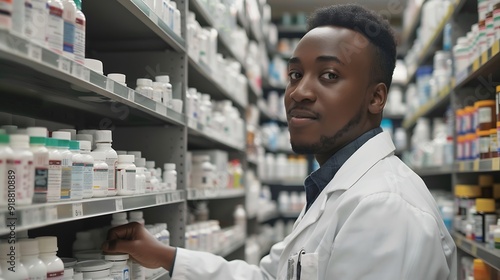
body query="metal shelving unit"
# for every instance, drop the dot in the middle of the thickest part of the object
(478, 165)
(219, 193)
(478, 250)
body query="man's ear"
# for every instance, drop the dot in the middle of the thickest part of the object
(378, 98)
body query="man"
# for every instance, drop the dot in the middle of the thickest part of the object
(368, 216)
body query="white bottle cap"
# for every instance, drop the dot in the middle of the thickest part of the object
(144, 82)
(163, 78)
(85, 145)
(126, 158)
(86, 137)
(100, 156)
(64, 135)
(205, 97)
(94, 64)
(117, 77)
(71, 131)
(83, 235)
(20, 141)
(137, 154)
(47, 244)
(169, 166)
(116, 257)
(92, 265)
(68, 273)
(10, 129)
(78, 276)
(121, 152)
(119, 216)
(157, 85)
(37, 131)
(103, 136)
(135, 215)
(140, 162)
(150, 164)
(29, 247)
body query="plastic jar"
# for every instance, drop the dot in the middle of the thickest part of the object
(5, 156)
(484, 217)
(78, 166)
(22, 168)
(170, 176)
(486, 114)
(167, 96)
(8, 253)
(423, 77)
(119, 219)
(88, 169)
(145, 87)
(493, 143)
(64, 138)
(38, 136)
(95, 269)
(158, 92)
(470, 151)
(100, 178)
(466, 196)
(55, 171)
(484, 144)
(202, 174)
(480, 270)
(103, 139)
(125, 175)
(459, 121)
(88, 255)
(136, 216)
(120, 269)
(470, 120)
(29, 258)
(460, 147)
(48, 254)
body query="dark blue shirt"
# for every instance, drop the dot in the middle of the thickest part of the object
(317, 181)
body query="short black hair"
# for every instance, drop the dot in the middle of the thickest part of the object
(373, 26)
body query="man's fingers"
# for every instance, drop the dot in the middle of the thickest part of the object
(120, 246)
(126, 232)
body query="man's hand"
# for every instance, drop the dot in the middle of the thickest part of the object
(141, 246)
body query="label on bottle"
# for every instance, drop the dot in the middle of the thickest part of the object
(484, 114)
(125, 179)
(19, 171)
(489, 219)
(36, 27)
(55, 29)
(79, 46)
(101, 179)
(41, 183)
(28, 15)
(112, 162)
(55, 275)
(77, 180)
(478, 228)
(66, 170)
(88, 179)
(54, 180)
(69, 37)
(484, 144)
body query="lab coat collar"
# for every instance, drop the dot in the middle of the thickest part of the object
(375, 149)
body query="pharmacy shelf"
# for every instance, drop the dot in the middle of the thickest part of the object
(478, 165)
(478, 250)
(430, 46)
(267, 216)
(208, 194)
(44, 214)
(461, 5)
(434, 107)
(435, 170)
(204, 137)
(131, 25)
(39, 83)
(255, 92)
(204, 17)
(483, 72)
(201, 77)
(409, 33)
(286, 183)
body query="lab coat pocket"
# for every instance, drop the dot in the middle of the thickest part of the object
(309, 266)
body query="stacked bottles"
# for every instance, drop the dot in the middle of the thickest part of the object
(212, 169)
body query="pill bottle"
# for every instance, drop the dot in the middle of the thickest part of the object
(466, 196)
(6, 251)
(103, 141)
(120, 269)
(486, 114)
(493, 143)
(55, 26)
(55, 171)
(125, 175)
(21, 169)
(136, 216)
(484, 144)
(145, 87)
(83, 242)
(88, 169)
(38, 138)
(484, 217)
(167, 97)
(29, 258)
(63, 138)
(47, 246)
(100, 175)
(119, 219)
(140, 178)
(170, 176)
(88, 255)
(77, 169)
(95, 269)
(5, 157)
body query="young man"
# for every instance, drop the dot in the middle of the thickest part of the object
(368, 216)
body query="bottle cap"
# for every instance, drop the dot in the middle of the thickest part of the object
(467, 191)
(19, 141)
(137, 154)
(37, 140)
(68, 273)
(85, 145)
(62, 143)
(63, 135)
(126, 158)
(92, 265)
(140, 162)
(51, 142)
(135, 215)
(74, 145)
(485, 205)
(119, 216)
(101, 156)
(37, 131)
(169, 166)
(5, 250)
(71, 131)
(163, 78)
(144, 82)
(87, 255)
(150, 164)
(47, 244)
(117, 77)
(121, 152)
(85, 137)
(10, 129)
(29, 247)
(94, 65)
(103, 136)
(157, 85)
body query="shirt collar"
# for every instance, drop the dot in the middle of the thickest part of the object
(321, 177)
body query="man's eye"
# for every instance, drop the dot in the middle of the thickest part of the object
(329, 76)
(294, 75)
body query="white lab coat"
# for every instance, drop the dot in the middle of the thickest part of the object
(375, 220)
